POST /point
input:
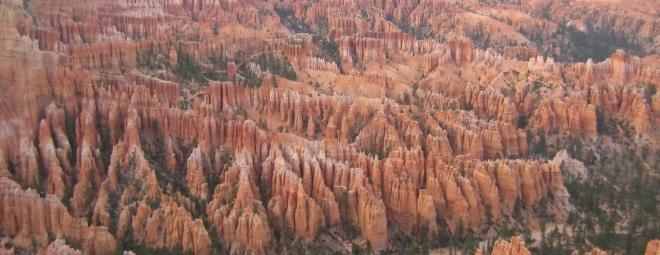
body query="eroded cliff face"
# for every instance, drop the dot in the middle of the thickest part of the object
(27, 216)
(59, 246)
(653, 247)
(515, 247)
(99, 146)
(271, 182)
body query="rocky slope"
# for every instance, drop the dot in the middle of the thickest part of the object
(515, 247)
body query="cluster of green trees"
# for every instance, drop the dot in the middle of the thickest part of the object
(617, 205)
(576, 45)
(150, 59)
(105, 148)
(125, 178)
(538, 145)
(171, 181)
(422, 240)
(278, 66)
(621, 194)
(143, 248)
(523, 119)
(286, 241)
(603, 125)
(289, 20)
(250, 79)
(374, 152)
(329, 50)
(419, 32)
(405, 98)
(29, 12)
(188, 69)
(649, 91)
